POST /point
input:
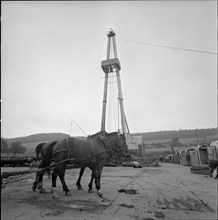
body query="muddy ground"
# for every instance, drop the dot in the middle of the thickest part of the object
(167, 192)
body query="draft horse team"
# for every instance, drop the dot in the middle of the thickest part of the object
(93, 153)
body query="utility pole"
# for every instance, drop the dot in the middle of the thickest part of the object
(197, 136)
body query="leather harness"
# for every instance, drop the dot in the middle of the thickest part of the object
(92, 154)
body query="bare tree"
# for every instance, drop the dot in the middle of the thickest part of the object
(176, 142)
(17, 148)
(4, 146)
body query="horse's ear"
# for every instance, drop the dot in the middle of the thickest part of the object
(120, 134)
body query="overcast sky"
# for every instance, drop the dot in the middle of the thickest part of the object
(51, 74)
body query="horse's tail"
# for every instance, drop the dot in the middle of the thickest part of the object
(39, 149)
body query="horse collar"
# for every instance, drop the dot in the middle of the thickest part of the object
(103, 138)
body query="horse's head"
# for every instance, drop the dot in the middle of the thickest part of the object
(120, 147)
(122, 142)
(115, 141)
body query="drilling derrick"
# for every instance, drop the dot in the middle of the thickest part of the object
(111, 65)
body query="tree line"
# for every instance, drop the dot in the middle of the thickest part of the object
(146, 136)
(15, 147)
(182, 133)
(42, 137)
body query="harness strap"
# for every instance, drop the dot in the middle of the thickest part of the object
(103, 138)
(59, 151)
(92, 148)
(68, 149)
(72, 159)
(70, 156)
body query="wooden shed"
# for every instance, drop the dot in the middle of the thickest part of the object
(182, 158)
(212, 151)
(199, 156)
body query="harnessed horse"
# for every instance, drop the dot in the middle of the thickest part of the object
(92, 153)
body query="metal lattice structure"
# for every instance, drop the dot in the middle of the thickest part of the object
(111, 65)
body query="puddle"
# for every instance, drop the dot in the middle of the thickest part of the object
(183, 204)
(76, 206)
(128, 191)
(127, 206)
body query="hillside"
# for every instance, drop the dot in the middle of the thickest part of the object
(42, 137)
(186, 137)
(210, 133)
(181, 134)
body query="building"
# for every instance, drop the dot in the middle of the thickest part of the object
(135, 143)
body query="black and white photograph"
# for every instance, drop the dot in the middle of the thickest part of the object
(109, 110)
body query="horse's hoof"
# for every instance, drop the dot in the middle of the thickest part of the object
(100, 194)
(55, 196)
(42, 191)
(79, 187)
(53, 190)
(91, 191)
(33, 188)
(68, 194)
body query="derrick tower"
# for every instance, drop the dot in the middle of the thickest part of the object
(111, 65)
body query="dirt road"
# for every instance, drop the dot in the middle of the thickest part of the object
(167, 192)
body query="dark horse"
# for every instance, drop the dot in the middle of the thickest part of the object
(38, 183)
(92, 153)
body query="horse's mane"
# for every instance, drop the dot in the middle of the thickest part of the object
(38, 149)
(48, 154)
(96, 134)
(101, 133)
(112, 133)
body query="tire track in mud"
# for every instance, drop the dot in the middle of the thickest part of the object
(112, 206)
(59, 208)
(205, 204)
(161, 207)
(117, 203)
(143, 204)
(202, 203)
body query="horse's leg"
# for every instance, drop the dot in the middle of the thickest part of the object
(91, 181)
(61, 176)
(98, 179)
(78, 184)
(54, 178)
(35, 183)
(40, 185)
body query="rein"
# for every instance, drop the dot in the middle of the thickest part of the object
(72, 159)
(65, 160)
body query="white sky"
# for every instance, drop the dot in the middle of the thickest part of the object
(51, 55)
